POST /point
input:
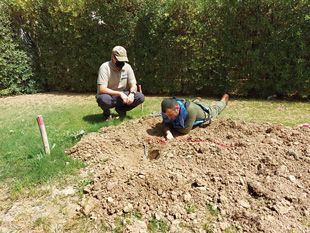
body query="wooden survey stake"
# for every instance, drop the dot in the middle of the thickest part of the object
(43, 134)
(140, 90)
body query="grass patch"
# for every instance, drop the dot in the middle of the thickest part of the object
(288, 113)
(44, 222)
(137, 215)
(212, 217)
(157, 225)
(121, 223)
(67, 117)
(212, 210)
(81, 185)
(306, 221)
(191, 208)
(207, 228)
(84, 224)
(230, 229)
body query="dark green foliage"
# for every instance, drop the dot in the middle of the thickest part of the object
(266, 46)
(15, 70)
(168, 45)
(250, 48)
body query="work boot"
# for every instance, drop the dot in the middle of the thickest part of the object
(121, 113)
(225, 97)
(107, 115)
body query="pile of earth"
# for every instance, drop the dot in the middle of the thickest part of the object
(230, 176)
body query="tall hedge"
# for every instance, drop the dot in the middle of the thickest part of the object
(15, 70)
(246, 47)
(266, 46)
(251, 48)
(175, 48)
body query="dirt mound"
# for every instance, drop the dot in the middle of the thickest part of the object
(229, 176)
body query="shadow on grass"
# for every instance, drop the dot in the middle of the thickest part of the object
(98, 118)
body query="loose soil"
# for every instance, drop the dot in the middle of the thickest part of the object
(231, 176)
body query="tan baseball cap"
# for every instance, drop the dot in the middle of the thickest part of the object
(120, 53)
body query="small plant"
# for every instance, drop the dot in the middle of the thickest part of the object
(103, 226)
(81, 223)
(42, 221)
(306, 221)
(230, 229)
(75, 136)
(191, 208)
(253, 210)
(81, 186)
(157, 225)
(137, 214)
(212, 210)
(119, 225)
(17, 189)
(207, 228)
(62, 207)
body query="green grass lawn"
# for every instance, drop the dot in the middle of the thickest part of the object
(23, 162)
(22, 157)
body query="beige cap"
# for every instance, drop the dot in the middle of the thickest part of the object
(120, 53)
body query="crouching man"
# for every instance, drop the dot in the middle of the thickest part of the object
(117, 85)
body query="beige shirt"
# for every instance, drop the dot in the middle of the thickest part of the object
(114, 79)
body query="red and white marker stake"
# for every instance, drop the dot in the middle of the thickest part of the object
(140, 90)
(304, 125)
(43, 134)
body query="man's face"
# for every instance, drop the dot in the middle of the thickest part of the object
(172, 113)
(116, 63)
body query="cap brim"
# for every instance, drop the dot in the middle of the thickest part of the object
(122, 59)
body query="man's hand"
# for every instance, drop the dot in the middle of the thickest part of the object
(124, 97)
(169, 135)
(131, 98)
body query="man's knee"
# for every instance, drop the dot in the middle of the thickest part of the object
(104, 101)
(139, 98)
